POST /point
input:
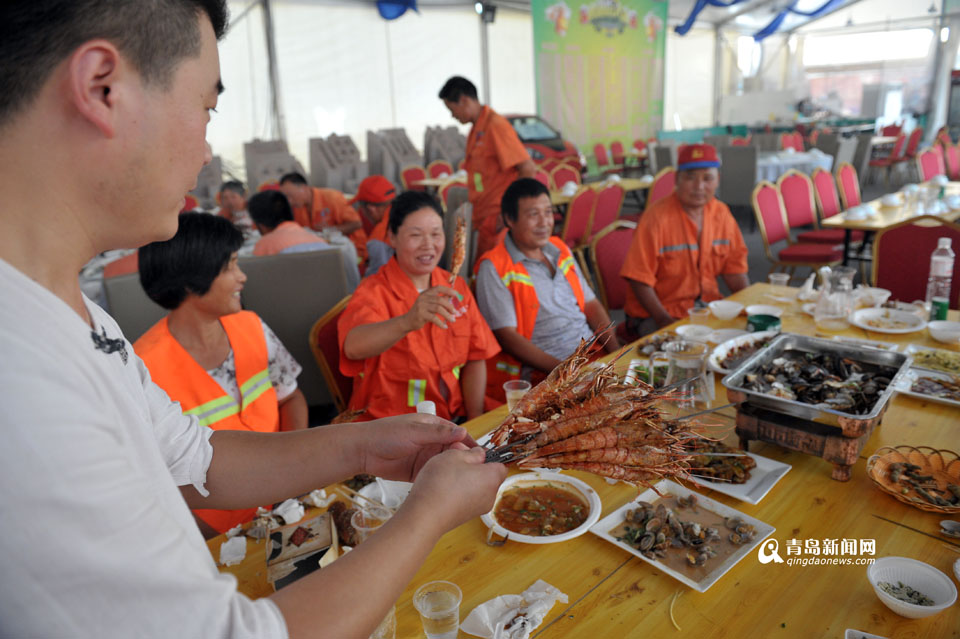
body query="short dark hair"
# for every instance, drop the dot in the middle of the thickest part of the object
(293, 177)
(410, 202)
(269, 209)
(190, 260)
(521, 188)
(153, 35)
(233, 185)
(457, 86)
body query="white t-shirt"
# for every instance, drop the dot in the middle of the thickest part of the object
(97, 540)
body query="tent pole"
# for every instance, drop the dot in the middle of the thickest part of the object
(279, 129)
(485, 59)
(717, 73)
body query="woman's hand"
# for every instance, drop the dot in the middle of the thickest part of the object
(434, 305)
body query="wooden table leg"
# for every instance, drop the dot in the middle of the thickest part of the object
(841, 472)
(847, 234)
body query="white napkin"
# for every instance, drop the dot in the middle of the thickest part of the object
(806, 291)
(513, 616)
(291, 511)
(389, 493)
(233, 550)
(319, 498)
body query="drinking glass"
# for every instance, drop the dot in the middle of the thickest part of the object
(699, 315)
(438, 603)
(779, 279)
(515, 389)
(366, 521)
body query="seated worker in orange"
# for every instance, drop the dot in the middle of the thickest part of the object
(318, 209)
(233, 205)
(682, 243)
(223, 364)
(495, 157)
(407, 334)
(532, 293)
(372, 201)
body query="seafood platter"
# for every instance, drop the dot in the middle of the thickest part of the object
(742, 475)
(815, 396)
(936, 359)
(931, 385)
(692, 538)
(921, 477)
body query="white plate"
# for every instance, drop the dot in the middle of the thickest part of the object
(630, 377)
(698, 332)
(906, 382)
(604, 526)
(860, 318)
(721, 351)
(851, 633)
(916, 348)
(722, 335)
(763, 477)
(548, 477)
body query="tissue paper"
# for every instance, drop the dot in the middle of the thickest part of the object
(513, 616)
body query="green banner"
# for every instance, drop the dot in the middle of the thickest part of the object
(599, 68)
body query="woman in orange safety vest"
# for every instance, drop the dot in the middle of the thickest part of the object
(223, 364)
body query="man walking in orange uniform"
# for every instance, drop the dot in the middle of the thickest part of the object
(495, 157)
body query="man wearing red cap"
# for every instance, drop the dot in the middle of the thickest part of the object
(682, 243)
(372, 201)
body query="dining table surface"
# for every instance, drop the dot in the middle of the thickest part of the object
(559, 198)
(612, 593)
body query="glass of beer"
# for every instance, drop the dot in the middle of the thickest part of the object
(438, 603)
(515, 389)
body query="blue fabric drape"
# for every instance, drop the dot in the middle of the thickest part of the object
(771, 28)
(697, 8)
(393, 9)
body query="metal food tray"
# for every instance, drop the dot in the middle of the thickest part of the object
(785, 342)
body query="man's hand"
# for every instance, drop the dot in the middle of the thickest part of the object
(398, 447)
(433, 305)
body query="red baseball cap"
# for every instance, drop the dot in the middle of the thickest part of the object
(375, 189)
(697, 156)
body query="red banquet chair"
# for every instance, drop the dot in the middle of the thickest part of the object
(895, 250)
(189, 204)
(543, 178)
(640, 145)
(549, 165)
(579, 213)
(563, 174)
(952, 157)
(410, 174)
(326, 351)
(608, 251)
(663, 183)
(895, 157)
(616, 151)
(913, 143)
(438, 167)
(891, 130)
(929, 164)
(772, 220)
(606, 210)
(848, 185)
(796, 191)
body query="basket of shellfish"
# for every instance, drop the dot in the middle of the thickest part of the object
(921, 477)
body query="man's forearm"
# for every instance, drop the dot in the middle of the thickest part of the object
(473, 384)
(648, 298)
(598, 319)
(524, 350)
(736, 281)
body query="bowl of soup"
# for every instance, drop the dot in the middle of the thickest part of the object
(543, 508)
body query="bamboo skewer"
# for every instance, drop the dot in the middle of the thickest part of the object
(351, 495)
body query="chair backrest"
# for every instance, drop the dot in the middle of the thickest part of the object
(899, 147)
(607, 208)
(943, 137)
(579, 214)
(814, 136)
(600, 153)
(798, 142)
(616, 151)
(445, 192)
(901, 257)
(639, 145)
(891, 130)
(941, 159)
(796, 191)
(786, 141)
(326, 353)
(438, 168)
(953, 161)
(739, 141)
(863, 154)
(410, 174)
(270, 185)
(608, 251)
(771, 218)
(189, 204)
(563, 174)
(846, 150)
(928, 164)
(663, 183)
(913, 142)
(848, 186)
(290, 292)
(738, 174)
(825, 192)
(544, 178)
(129, 305)
(549, 165)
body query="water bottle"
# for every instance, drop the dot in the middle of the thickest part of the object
(938, 284)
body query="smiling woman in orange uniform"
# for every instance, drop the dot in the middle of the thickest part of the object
(223, 364)
(407, 334)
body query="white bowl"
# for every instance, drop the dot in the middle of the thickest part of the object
(940, 180)
(919, 576)
(872, 296)
(725, 309)
(764, 309)
(952, 202)
(891, 199)
(722, 335)
(698, 332)
(944, 331)
(569, 189)
(613, 177)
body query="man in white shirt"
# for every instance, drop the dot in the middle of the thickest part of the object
(111, 98)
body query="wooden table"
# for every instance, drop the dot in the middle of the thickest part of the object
(628, 184)
(886, 217)
(613, 594)
(438, 182)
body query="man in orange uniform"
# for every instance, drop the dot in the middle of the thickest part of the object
(372, 201)
(682, 243)
(495, 157)
(279, 233)
(317, 209)
(532, 294)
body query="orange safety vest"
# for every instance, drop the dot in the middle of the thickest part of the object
(514, 275)
(185, 381)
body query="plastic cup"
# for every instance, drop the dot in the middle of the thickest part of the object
(699, 315)
(438, 603)
(779, 279)
(368, 520)
(515, 389)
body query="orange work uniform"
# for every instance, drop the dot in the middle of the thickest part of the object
(328, 207)
(493, 153)
(425, 364)
(666, 254)
(379, 232)
(515, 277)
(185, 381)
(285, 235)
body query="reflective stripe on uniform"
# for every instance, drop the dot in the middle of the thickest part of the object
(255, 387)
(416, 391)
(721, 242)
(456, 371)
(679, 247)
(506, 367)
(566, 264)
(214, 410)
(514, 276)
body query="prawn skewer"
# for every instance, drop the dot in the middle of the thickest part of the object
(459, 248)
(643, 456)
